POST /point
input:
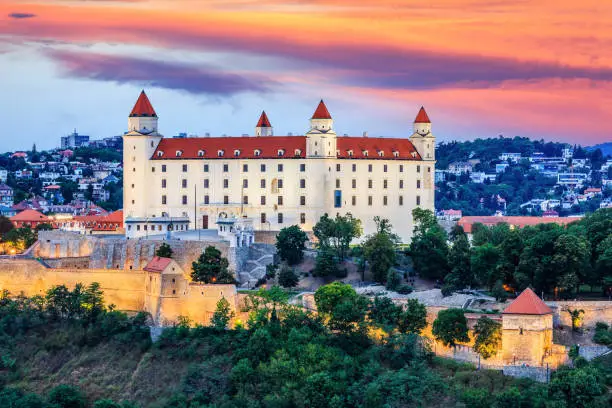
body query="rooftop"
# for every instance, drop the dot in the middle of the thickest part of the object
(527, 303)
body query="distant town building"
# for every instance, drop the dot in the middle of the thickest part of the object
(513, 221)
(571, 179)
(3, 175)
(74, 140)
(6, 195)
(513, 157)
(458, 168)
(29, 218)
(501, 167)
(450, 215)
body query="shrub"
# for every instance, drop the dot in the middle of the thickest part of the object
(287, 278)
(404, 289)
(67, 396)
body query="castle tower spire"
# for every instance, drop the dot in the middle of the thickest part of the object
(422, 138)
(263, 128)
(321, 138)
(321, 119)
(143, 118)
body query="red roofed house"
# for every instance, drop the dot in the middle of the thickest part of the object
(527, 330)
(29, 218)
(164, 279)
(94, 224)
(514, 221)
(276, 181)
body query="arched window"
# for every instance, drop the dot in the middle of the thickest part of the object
(298, 152)
(220, 153)
(413, 154)
(396, 154)
(236, 153)
(281, 152)
(201, 153)
(179, 153)
(350, 153)
(365, 153)
(160, 153)
(257, 152)
(381, 153)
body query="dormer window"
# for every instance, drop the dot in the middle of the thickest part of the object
(281, 152)
(365, 153)
(413, 154)
(160, 153)
(337, 153)
(396, 154)
(257, 152)
(236, 153)
(179, 153)
(350, 153)
(381, 153)
(297, 152)
(201, 153)
(220, 153)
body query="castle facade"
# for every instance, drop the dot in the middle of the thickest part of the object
(190, 183)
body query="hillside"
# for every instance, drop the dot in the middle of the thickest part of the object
(606, 148)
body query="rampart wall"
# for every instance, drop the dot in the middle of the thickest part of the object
(594, 312)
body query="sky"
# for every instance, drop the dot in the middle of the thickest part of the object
(481, 68)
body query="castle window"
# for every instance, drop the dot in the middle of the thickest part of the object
(245, 168)
(184, 168)
(354, 168)
(257, 152)
(521, 330)
(163, 183)
(418, 183)
(396, 154)
(152, 169)
(206, 183)
(428, 169)
(280, 218)
(384, 200)
(281, 152)
(184, 199)
(401, 200)
(369, 168)
(302, 218)
(302, 167)
(413, 154)
(401, 184)
(280, 183)
(206, 168)
(401, 168)
(262, 168)
(245, 183)
(225, 183)
(225, 199)
(263, 218)
(152, 144)
(418, 168)
(381, 153)
(370, 201)
(350, 153)
(184, 183)
(280, 167)
(365, 153)
(338, 167)
(200, 153)
(385, 168)
(302, 183)
(245, 199)
(263, 200)
(160, 153)
(236, 153)
(179, 153)
(206, 199)
(163, 200)
(302, 200)
(337, 183)
(225, 168)
(418, 200)
(369, 183)
(354, 200)
(385, 183)
(298, 152)
(354, 183)
(280, 200)
(220, 153)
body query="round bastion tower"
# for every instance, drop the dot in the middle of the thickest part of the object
(139, 144)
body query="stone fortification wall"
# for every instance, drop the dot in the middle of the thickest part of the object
(125, 290)
(63, 244)
(593, 312)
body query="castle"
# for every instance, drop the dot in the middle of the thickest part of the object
(183, 184)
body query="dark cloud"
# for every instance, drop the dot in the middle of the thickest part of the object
(21, 15)
(196, 80)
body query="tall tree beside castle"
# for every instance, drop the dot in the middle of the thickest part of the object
(211, 267)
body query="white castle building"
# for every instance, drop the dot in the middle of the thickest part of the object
(276, 181)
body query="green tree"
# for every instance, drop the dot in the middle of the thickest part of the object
(578, 387)
(484, 262)
(488, 337)
(459, 260)
(326, 263)
(287, 277)
(384, 313)
(379, 249)
(290, 244)
(223, 315)
(393, 279)
(164, 251)
(572, 258)
(450, 327)
(67, 396)
(576, 316)
(211, 267)
(429, 250)
(5, 225)
(499, 292)
(344, 309)
(413, 318)
(20, 238)
(337, 233)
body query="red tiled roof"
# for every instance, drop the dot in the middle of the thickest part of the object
(422, 116)
(29, 215)
(519, 221)
(263, 120)
(143, 107)
(321, 112)
(115, 216)
(157, 264)
(268, 146)
(527, 303)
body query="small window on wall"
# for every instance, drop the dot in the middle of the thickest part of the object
(163, 200)
(280, 218)
(302, 167)
(184, 168)
(245, 168)
(302, 218)
(337, 199)
(354, 168)
(401, 168)
(369, 168)
(302, 200)
(262, 168)
(401, 200)
(354, 200)
(163, 168)
(206, 199)
(370, 201)
(418, 168)
(354, 183)
(384, 200)
(302, 183)
(263, 200)
(338, 167)
(401, 184)
(263, 218)
(184, 200)
(418, 200)
(225, 168)
(225, 199)
(418, 183)
(206, 168)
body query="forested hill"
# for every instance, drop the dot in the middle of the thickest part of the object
(487, 150)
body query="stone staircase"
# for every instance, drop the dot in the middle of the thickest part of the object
(260, 255)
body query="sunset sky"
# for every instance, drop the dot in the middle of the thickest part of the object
(536, 68)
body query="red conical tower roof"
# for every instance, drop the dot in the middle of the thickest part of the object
(143, 107)
(321, 112)
(263, 120)
(422, 116)
(527, 303)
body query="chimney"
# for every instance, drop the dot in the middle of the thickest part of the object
(365, 134)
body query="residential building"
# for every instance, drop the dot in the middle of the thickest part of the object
(277, 181)
(501, 167)
(458, 168)
(513, 157)
(3, 175)
(74, 140)
(6, 195)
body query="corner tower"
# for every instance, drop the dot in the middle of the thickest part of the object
(139, 144)
(263, 128)
(321, 138)
(422, 138)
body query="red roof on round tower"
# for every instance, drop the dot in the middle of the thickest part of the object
(321, 112)
(263, 120)
(143, 107)
(528, 303)
(422, 116)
